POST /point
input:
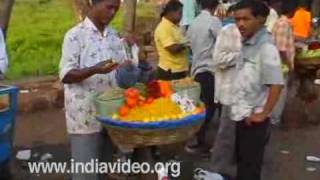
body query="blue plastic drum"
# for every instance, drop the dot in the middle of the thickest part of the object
(7, 122)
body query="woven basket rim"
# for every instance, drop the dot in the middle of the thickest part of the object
(189, 120)
(191, 125)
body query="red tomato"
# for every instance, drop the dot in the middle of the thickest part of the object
(124, 111)
(131, 102)
(132, 93)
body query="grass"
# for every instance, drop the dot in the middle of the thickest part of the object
(36, 31)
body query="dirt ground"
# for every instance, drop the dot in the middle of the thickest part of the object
(44, 132)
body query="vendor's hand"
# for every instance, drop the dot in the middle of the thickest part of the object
(256, 118)
(105, 67)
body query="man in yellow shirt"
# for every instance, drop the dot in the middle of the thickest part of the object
(171, 44)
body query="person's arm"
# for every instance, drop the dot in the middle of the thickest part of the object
(271, 76)
(3, 54)
(274, 94)
(285, 59)
(215, 27)
(281, 35)
(227, 48)
(78, 75)
(70, 71)
(176, 48)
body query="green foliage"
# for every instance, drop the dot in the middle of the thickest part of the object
(36, 32)
(144, 10)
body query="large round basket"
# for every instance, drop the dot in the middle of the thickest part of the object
(133, 134)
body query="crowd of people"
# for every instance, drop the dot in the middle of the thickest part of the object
(240, 52)
(248, 83)
(242, 55)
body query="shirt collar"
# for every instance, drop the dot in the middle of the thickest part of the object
(167, 21)
(256, 37)
(89, 24)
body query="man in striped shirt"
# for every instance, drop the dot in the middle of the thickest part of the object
(284, 40)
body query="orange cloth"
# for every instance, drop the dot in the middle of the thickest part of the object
(301, 23)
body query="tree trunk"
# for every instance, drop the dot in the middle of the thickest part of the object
(81, 8)
(129, 15)
(5, 11)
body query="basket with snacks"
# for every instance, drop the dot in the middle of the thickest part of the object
(160, 112)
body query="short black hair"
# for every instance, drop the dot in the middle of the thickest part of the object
(208, 4)
(231, 8)
(257, 7)
(304, 3)
(270, 2)
(267, 2)
(288, 6)
(171, 6)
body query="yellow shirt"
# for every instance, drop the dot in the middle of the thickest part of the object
(167, 34)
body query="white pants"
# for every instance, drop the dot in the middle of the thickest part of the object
(85, 147)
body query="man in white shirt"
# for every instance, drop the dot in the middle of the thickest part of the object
(84, 70)
(273, 15)
(3, 55)
(227, 57)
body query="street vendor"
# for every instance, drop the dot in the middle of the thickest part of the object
(171, 44)
(93, 60)
(3, 55)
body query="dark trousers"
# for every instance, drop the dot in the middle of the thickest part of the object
(206, 80)
(250, 146)
(168, 75)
